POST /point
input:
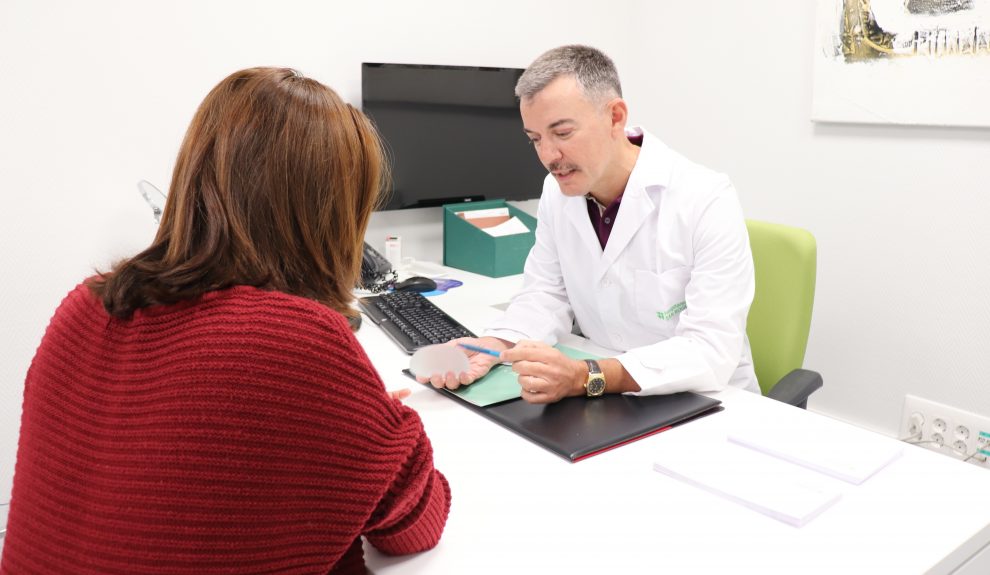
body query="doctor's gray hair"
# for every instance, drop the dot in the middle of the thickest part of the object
(594, 71)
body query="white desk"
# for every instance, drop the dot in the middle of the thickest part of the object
(517, 508)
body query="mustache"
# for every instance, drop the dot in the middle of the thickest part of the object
(561, 167)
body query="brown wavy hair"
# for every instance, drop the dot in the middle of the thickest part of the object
(273, 187)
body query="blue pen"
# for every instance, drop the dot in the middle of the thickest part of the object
(480, 349)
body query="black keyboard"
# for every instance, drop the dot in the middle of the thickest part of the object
(411, 320)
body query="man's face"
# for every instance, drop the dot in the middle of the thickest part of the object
(571, 135)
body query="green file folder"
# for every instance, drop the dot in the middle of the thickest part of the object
(500, 384)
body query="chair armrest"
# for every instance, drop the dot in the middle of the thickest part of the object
(795, 387)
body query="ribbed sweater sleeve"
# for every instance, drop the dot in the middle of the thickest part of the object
(245, 432)
(412, 514)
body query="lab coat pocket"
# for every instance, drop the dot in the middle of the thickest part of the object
(660, 298)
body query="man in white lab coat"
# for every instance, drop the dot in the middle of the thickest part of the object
(646, 251)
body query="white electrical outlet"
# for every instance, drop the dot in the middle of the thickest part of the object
(954, 432)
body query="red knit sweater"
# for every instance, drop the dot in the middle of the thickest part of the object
(246, 432)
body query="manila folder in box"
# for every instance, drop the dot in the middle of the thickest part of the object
(579, 427)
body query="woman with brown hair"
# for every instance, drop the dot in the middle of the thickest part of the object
(203, 407)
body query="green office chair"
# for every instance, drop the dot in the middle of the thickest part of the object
(785, 261)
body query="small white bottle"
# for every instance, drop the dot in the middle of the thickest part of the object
(393, 250)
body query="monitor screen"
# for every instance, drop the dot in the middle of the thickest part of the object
(453, 133)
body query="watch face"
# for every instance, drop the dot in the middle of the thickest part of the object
(596, 386)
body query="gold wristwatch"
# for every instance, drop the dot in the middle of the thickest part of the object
(595, 386)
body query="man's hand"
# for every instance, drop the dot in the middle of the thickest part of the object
(545, 373)
(478, 363)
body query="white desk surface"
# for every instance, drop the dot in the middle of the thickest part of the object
(517, 508)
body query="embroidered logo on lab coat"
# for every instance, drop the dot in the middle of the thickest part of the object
(673, 311)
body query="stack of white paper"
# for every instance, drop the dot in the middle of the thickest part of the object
(773, 487)
(509, 227)
(495, 221)
(827, 446)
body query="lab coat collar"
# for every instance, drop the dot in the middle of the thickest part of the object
(649, 177)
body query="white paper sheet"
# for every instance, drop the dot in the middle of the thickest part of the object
(781, 490)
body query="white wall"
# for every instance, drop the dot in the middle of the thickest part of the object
(96, 95)
(902, 304)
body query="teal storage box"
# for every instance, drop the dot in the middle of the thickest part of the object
(468, 247)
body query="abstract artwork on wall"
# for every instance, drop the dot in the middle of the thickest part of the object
(903, 62)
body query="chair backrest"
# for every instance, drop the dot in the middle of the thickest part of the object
(785, 260)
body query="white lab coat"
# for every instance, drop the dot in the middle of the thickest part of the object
(671, 290)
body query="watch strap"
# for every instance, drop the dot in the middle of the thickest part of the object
(593, 368)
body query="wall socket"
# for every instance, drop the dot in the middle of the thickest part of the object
(948, 430)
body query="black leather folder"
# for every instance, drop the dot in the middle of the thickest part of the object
(576, 428)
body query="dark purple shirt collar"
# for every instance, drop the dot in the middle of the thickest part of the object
(602, 221)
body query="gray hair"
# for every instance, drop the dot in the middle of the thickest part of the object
(594, 71)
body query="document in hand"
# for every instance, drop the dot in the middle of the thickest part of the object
(781, 490)
(502, 384)
(818, 443)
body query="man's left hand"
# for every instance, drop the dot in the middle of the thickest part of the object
(545, 373)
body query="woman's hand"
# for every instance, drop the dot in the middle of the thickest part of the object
(478, 363)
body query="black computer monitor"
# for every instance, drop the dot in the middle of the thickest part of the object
(453, 133)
